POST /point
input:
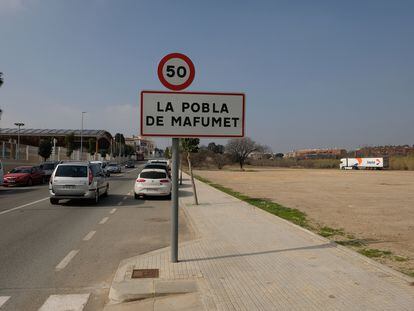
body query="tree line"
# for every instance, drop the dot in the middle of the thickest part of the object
(119, 148)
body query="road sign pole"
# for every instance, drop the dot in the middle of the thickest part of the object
(174, 207)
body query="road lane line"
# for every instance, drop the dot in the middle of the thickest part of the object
(113, 210)
(89, 236)
(104, 220)
(119, 203)
(65, 261)
(24, 205)
(73, 302)
(3, 300)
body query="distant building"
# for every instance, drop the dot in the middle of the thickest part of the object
(32, 137)
(260, 155)
(378, 151)
(317, 154)
(142, 145)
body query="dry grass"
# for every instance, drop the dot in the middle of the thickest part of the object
(402, 163)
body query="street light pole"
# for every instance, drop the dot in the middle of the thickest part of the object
(2, 145)
(18, 124)
(81, 136)
(1, 112)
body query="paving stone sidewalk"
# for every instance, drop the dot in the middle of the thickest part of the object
(246, 259)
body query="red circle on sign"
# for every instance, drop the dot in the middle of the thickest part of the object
(176, 87)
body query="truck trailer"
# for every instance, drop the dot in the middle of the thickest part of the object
(363, 163)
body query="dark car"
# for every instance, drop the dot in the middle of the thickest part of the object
(24, 175)
(130, 164)
(48, 168)
(113, 168)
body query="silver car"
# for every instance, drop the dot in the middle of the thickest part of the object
(78, 180)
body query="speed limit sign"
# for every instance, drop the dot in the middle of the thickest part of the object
(176, 71)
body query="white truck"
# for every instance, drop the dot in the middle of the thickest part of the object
(363, 163)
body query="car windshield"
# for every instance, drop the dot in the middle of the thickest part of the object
(112, 164)
(71, 171)
(20, 170)
(153, 175)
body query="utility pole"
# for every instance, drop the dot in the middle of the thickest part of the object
(18, 124)
(1, 112)
(2, 152)
(81, 136)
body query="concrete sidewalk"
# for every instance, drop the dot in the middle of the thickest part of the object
(246, 259)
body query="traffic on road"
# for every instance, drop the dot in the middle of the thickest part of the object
(54, 232)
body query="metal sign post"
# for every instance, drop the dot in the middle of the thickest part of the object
(187, 114)
(174, 208)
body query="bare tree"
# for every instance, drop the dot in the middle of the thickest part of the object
(241, 148)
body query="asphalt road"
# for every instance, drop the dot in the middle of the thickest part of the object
(74, 248)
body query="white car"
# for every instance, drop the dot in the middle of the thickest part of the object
(152, 182)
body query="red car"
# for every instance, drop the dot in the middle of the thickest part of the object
(24, 175)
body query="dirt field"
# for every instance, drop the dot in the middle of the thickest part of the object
(374, 206)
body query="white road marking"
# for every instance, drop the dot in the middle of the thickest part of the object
(24, 205)
(65, 261)
(124, 198)
(89, 236)
(3, 300)
(119, 203)
(74, 302)
(104, 220)
(113, 210)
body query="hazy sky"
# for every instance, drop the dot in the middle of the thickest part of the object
(316, 73)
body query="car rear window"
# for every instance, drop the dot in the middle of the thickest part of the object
(71, 171)
(153, 175)
(160, 162)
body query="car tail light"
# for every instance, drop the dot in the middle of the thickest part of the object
(141, 180)
(90, 176)
(163, 181)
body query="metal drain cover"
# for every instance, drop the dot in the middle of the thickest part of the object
(145, 273)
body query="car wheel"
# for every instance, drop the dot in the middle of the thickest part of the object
(54, 201)
(136, 196)
(96, 199)
(169, 197)
(29, 182)
(106, 191)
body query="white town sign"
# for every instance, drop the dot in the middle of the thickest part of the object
(192, 114)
